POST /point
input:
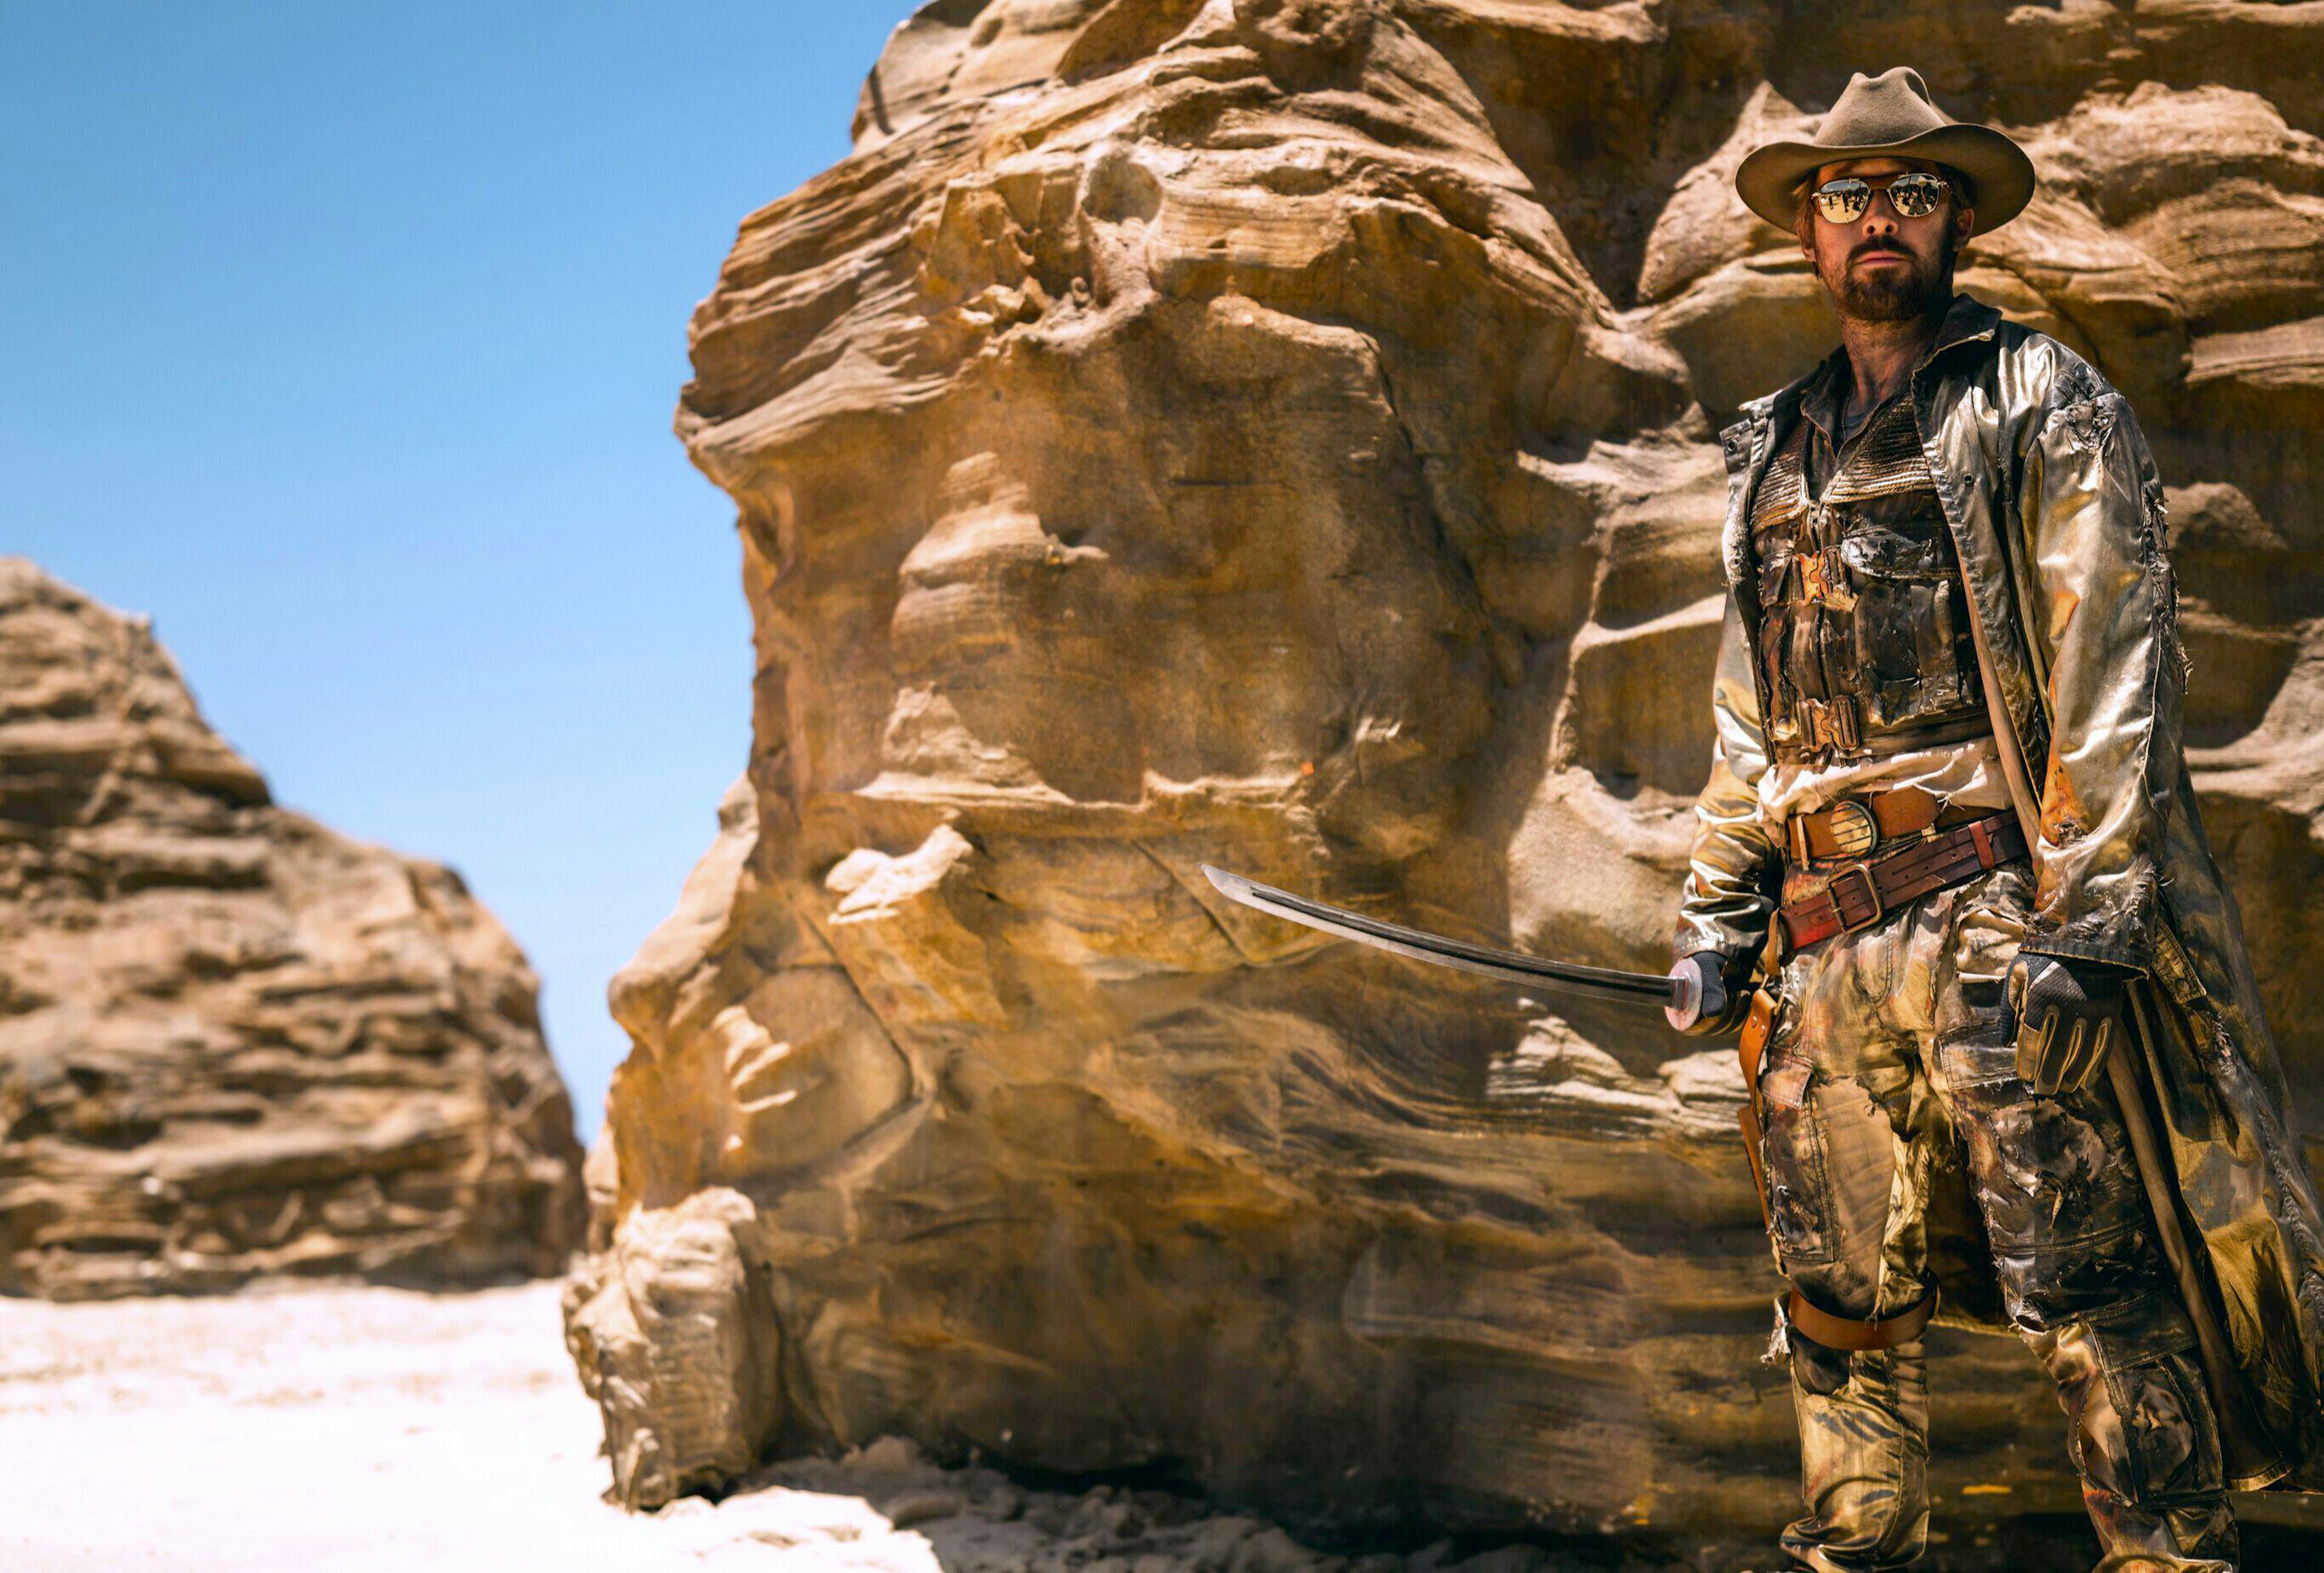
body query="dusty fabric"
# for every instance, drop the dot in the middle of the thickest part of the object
(1895, 1044)
(1865, 647)
(1966, 771)
(1965, 774)
(2054, 510)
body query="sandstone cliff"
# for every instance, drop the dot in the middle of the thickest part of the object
(232, 1042)
(1280, 433)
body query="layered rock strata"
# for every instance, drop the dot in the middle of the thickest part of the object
(234, 1043)
(1281, 433)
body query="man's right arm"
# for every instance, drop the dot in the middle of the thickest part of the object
(1728, 901)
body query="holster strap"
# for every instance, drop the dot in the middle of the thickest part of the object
(1749, 1051)
(1856, 1337)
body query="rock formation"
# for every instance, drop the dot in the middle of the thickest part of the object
(232, 1042)
(1281, 433)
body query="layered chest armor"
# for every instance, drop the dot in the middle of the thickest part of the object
(1865, 642)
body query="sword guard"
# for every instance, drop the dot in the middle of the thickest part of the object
(1685, 1008)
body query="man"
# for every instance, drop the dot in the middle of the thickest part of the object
(2016, 1050)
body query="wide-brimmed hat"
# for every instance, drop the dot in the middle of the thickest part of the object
(1891, 114)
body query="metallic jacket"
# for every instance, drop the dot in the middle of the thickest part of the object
(2056, 512)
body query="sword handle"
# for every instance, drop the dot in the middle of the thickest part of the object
(1697, 991)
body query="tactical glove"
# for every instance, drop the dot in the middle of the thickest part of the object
(1711, 996)
(2071, 1015)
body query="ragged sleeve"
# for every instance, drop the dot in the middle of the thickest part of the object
(2103, 628)
(1727, 902)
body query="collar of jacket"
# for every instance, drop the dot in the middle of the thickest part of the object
(1745, 443)
(1966, 321)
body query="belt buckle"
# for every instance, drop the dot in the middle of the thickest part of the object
(1853, 827)
(1821, 735)
(1871, 893)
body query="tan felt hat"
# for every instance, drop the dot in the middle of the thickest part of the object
(1891, 114)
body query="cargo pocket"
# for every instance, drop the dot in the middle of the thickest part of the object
(1988, 917)
(2169, 1440)
(1799, 1181)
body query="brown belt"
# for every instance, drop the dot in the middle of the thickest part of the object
(1819, 903)
(1854, 827)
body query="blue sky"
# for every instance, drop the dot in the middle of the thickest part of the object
(344, 341)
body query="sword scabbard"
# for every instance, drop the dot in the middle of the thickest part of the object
(1750, 1049)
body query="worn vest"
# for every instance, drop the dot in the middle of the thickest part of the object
(1865, 644)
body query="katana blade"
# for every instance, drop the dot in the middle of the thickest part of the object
(1640, 988)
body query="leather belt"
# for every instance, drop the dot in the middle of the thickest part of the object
(1819, 903)
(1854, 827)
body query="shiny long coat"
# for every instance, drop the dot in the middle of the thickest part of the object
(2056, 511)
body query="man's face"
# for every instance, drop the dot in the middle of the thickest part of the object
(1883, 268)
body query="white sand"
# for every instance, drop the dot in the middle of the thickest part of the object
(344, 1428)
(331, 1430)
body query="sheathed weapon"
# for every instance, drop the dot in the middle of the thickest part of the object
(1605, 983)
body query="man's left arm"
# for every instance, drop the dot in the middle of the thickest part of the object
(2108, 639)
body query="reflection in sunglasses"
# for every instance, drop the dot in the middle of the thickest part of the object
(1913, 195)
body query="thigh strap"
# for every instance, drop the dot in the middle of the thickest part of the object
(1856, 1338)
(1832, 1332)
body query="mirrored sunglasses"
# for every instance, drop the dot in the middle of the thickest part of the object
(1913, 195)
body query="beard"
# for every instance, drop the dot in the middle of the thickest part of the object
(1897, 294)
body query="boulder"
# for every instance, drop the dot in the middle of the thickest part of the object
(1281, 434)
(233, 1043)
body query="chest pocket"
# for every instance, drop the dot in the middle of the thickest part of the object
(1864, 640)
(1910, 630)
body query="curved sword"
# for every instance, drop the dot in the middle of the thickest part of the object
(1640, 988)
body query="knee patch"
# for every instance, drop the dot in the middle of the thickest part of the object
(1818, 1370)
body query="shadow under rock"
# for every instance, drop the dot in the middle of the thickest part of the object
(984, 1519)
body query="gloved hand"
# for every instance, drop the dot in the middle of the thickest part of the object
(2070, 1015)
(1709, 1001)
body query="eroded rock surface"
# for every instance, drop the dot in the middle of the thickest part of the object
(1280, 433)
(232, 1042)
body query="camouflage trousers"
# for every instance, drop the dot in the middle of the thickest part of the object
(1891, 1046)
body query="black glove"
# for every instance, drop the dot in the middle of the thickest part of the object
(2069, 1016)
(1711, 998)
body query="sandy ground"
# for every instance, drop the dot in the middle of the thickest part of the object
(332, 1430)
(318, 1429)
(329, 1430)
